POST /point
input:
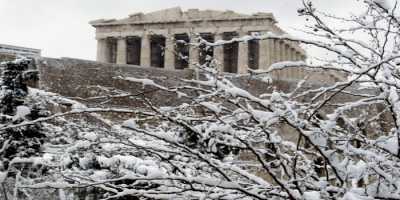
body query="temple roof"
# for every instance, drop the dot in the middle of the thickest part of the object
(176, 14)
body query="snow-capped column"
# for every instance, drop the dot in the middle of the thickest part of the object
(121, 51)
(102, 50)
(169, 53)
(193, 52)
(243, 57)
(219, 52)
(145, 51)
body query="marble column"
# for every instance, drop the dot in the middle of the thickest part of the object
(296, 71)
(286, 52)
(298, 56)
(193, 52)
(266, 53)
(102, 50)
(121, 51)
(284, 72)
(276, 53)
(243, 55)
(301, 73)
(289, 71)
(169, 52)
(145, 51)
(219, 52)
(292, 54)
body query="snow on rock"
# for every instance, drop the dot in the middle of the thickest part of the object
(91, 136)
(390, 144)
(3, 176)
(212, 106)
(143, 81)
(286, 64)
(313, 195)
(263, 116)
(352, 195)
(100, 175)
(356, 171)
(21, 112)
(130, 123)
(78, 107)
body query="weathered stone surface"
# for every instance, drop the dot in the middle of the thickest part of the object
(173, 22)
(86, 79)
(83, 79)
(177, 15)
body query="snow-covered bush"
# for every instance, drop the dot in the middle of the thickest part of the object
(18, 144)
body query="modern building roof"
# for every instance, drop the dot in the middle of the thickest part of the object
(20, 51)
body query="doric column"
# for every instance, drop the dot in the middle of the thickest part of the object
(287, 57)
(169, 52)
(219, 52)
(121, 51)
(284, 52)
(296, 71)
(243, 55)
(193, 52)
(287, 72)
(145, 51)
(278, 47)
(298, 57)
(264, 61)
(275, 56)
(102, 50)
(288, 52)
(266, 53)
(292, 54)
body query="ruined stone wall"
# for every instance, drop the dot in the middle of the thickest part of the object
(87, 79)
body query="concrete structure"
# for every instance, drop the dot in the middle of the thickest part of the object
(141, 38)
(14, 51)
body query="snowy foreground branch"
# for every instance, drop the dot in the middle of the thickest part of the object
(329, 141)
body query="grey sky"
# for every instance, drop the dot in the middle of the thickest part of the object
(60, 27)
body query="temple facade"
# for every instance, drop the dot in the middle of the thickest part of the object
(160, 39)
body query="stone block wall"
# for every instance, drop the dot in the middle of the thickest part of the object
(85, 79)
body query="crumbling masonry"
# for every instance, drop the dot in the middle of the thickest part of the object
(141, 38)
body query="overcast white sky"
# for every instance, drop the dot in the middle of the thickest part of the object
(60, 27)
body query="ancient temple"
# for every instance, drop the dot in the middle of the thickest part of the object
(141, 39)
